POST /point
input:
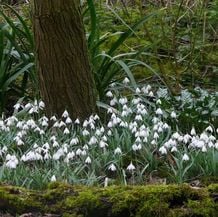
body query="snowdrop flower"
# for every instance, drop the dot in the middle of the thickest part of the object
(158, 102)
(176, 135)
(159, 111)
(74, 141)
(151, 94)
(112, 167)
(193, 132)
(65, 114)
(156, 136)
(109, 94)
(174, 149)
(126, 80)
(102, 144)
(123, 101)
(12, 161)
(165, 126)
(113, 101)
(78, 152)
(138, 118)
(88, 160)
(204, 149)
(135, 101)
(131, 167)
(66, 131)
(185, 157)
(53, 118)
(68, 120)
(117, 151)
(163, 150)
(77, 121)
(209, 129)
(53, 178)
(17, 106)
(93, 140)
(109, 133)
(138, 90)
(173, 114)
(41, 105)
(61, 124)
(58, 154)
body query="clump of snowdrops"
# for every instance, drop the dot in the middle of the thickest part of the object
(138, 143)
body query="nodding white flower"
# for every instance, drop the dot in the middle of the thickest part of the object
(85, 132)
(113, 101)
(126, 80)
(163, 150)
(137, 90)
(135, 101)
(131, 167)
(109, 94)
(151, 94)
(204, 149)
(53, 178)
(204, 137)
(176, 135)
(136, 147)
(165, 126)
(117, 151)
(110, 124)
(93, 140)
(109, 133)
(11, 161)
(77, 121)
(74, 141)
(88, 160)
(112, 167)
(186, 138)
(65, 114)
(185, 157)
(174, 149)
(17, 106)
(46, 146)
(61, 124)
(216, 145)
(102, 144)
(68, 120)
(173, 114)
(66, 131)
(154, 142)
(138, 118)
(53, 118)
(123, 100)
(159, 111)
(58, 154)
(156, 135)
(193, 132)
(209, 129)
(158, 102)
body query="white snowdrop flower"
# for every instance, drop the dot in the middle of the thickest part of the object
(163, 150)
(151, 94)
(135, 101)
(176, 135)
(204, 149)
(185, 157)
(131, 167)
(159, 111)
(216, 145)
(12, 161)
(53, 178)
(25, 127)
(113, 101)
(71, 155)
(56, 124)
(160, 129)
(109, 133)
(112, 168)
(88, 160)
(98, 132)
(85, 123)
(61, 124)
(66, 131)
(46, 146)
(138, 139)
(53, 118)
(41, 105)
(144, 112)
(58, 154)
(156, 135)
(139, 146)
(153, 142)
(145, 139)
(199, 143)
(123, 100)
(158, 102)
(117, 151)
(193, 132)
(173, 114)
(78, 152)
(68, 120)
(155, 120)
(137, 90)
(110, 110)
(17, 106)
(65, 114)
(212, 138)
(102, 144)
(134, 147)
(174, 149)
(23, 158)
(85, 132)
(209, 129)
(44, 123)
(217, 130)
(47, 156)
(86, 147)
(41, 132)
(165, 126)
(19, 141)
(74, 141)
(92, 126)
(53, 138)
(28, 106)
(109, 94)
(34, 109)
(93, 140)
(210, 144)
(77, 121)
(55, 144)
(138, 118)
(20, 124)
(126, 80)
(134, 129)
(104, 138)
(186, 138)
(110, 124)
(102, 129)
(31, 123)
(204, 137)
(96, 117)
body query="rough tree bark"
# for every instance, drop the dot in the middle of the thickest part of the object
(64, 72)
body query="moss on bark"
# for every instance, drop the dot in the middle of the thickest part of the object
(81, 201)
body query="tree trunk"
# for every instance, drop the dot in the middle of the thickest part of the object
(64, 72)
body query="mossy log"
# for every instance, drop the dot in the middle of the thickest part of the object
(79, 201)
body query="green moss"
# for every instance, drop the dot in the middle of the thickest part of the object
(82, 201)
